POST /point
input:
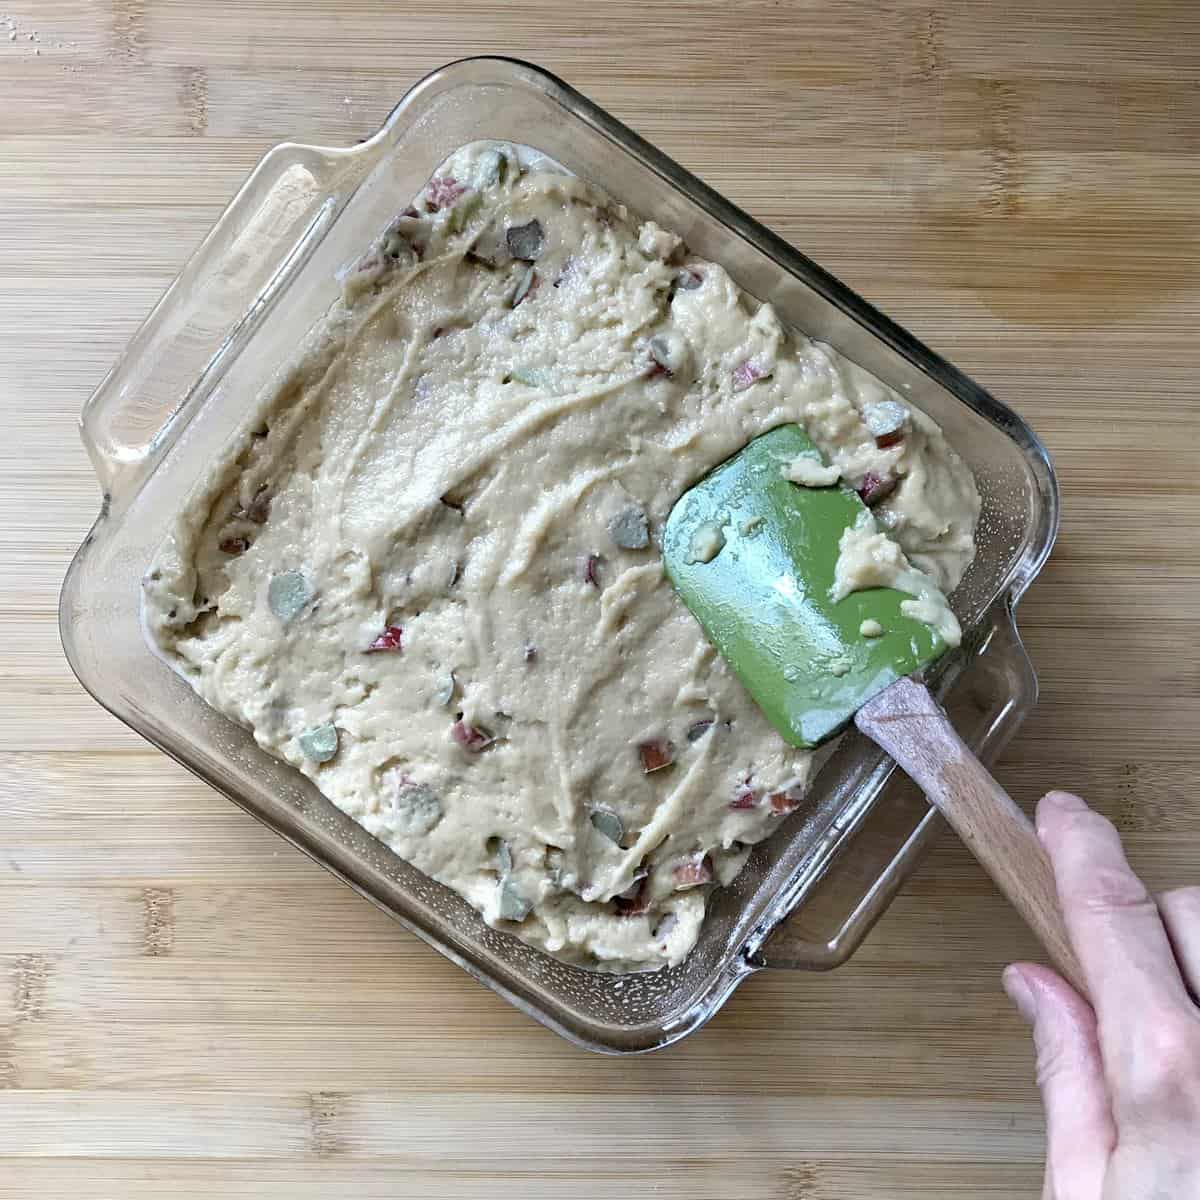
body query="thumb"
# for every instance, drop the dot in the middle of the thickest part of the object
(1079, 1126)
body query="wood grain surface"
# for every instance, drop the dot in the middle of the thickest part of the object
(188, 1007)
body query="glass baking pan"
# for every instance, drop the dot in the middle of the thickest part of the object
(193, 373)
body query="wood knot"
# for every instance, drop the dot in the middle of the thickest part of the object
(324, 1109)
(129, 29)
(158, 921)
(193, 97)
(800, 1182)
(30, 973)
(1005, 185)
(929, 40)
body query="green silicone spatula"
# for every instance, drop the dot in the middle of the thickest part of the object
(753, 556)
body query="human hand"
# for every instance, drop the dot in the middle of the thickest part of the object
(1120, 1079)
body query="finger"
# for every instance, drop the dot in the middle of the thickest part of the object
(1079, 1127)
(1114, 927)
(1180, 911)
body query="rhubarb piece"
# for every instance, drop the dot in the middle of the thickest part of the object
(470, 738)
(887, 422)
(606, 822)
(655, 755)
(445, 689)
(746, 373)
(629, 529)
(388, 640)
(635, 899)
(443, 191)
(498, 848)
(785, 801)
(660, 355)
(462, 213)
(588, 569)
(527, 241)
(288, 595)
(525, 285)
(529, 376)
(415, 806)
(320, 743)
(513, 906)
(876, 488)
(693, 872)
(744, 798)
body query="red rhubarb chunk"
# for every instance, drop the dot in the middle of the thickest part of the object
(656, 754)
(389, 639)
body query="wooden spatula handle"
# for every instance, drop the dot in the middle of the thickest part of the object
(909, 724)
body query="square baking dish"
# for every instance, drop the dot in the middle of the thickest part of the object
(194, 372)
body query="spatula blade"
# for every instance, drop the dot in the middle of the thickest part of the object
(753, 556)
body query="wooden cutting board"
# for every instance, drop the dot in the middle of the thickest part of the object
(188, 1007)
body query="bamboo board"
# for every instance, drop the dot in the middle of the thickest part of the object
(188, 1006)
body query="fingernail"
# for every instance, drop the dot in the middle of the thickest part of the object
(1066, 801)
(1020, 993)
(1063, 801)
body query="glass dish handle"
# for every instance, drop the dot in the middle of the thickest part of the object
(987, 702)
(280, 213)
